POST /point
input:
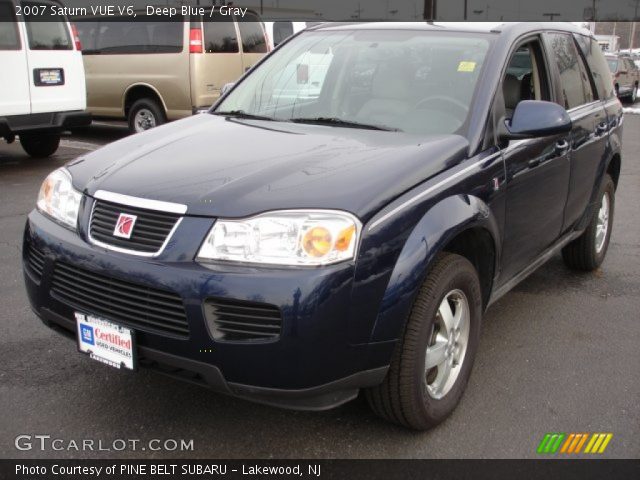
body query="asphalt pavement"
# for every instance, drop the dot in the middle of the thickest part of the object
(560, 353)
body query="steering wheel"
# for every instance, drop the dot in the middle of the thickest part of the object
(442, 102)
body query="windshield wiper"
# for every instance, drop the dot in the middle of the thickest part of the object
(242, 114)
(338, 122)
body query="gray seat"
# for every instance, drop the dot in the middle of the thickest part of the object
(512, 92)
(390, 91)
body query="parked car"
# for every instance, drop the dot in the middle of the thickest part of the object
(279, 31)
(626, 76)
(150, 71)
(304, 249)
(43, 89)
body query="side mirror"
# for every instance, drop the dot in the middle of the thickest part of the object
(536, 118)
(225, 88)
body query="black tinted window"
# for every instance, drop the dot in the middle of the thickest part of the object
(572, 81)
(8, 29)
(598, 66)
(281, 31)
(49, 35)
(252, 35)
(220, 35)
(131, 37)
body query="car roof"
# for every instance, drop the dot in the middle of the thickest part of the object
(471, 27)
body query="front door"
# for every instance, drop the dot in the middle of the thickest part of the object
(219, 63)
(253, 39)
(537, 170)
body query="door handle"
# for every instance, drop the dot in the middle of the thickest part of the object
(601, 128)
(562, 146)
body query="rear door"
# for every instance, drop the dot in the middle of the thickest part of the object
(253, 40)
(56, 72)
(14, 94)
(577, 94)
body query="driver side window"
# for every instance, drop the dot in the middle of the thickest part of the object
(525, 77)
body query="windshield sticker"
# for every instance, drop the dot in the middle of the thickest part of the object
(466, 66)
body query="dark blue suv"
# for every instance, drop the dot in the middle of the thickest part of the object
(341, 218)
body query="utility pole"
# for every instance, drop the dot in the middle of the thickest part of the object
(430, 7)
(633, 26)
(465, 10)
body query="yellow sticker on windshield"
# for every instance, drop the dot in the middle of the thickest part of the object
(466, 66)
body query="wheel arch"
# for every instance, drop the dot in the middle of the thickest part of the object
(460, 224)
(613, 168)
(140, 90)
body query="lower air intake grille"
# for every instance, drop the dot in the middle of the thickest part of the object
(35, 261)
(235, 320)
(124, 302)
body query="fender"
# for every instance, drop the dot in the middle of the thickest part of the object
(442, 223)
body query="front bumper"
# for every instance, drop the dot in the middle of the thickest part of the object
(312, 365)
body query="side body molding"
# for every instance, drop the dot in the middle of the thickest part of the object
(442, 223)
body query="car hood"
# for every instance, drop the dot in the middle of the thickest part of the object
(233, 168)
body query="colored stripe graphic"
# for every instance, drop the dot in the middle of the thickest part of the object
(550, 443)
(598, 443)
(572, 443)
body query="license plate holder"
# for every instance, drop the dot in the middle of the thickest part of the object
(48, 77)
(106, 341)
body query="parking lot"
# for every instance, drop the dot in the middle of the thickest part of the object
(558, 354)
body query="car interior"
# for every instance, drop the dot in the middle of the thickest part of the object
(419, 90)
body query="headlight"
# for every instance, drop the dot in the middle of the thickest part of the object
(288, 237)
(58, 199)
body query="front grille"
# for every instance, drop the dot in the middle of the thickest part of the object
(35, 261)
(150, 230)
(125, 302)
(234, 320)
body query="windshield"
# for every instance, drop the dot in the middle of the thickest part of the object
(613, 64)
(402, 80)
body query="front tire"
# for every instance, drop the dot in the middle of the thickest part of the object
(433, 359)
(40, 145)
(587, 252)
(145, 114)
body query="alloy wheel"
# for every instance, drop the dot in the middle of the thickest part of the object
(602, 226)
(448, 344)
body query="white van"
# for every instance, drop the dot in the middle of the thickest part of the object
(280, 31)
(42, 82)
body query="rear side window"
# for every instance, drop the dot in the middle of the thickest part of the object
(148, 36)
(281, 31)
(220, 35)
(598, 66)
(49, 35)
(9, 39)
(574, 83)
(253, 40)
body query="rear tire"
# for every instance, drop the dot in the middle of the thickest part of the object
(40, 145)
(411, 394)
(145, 114)
(587, 252)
